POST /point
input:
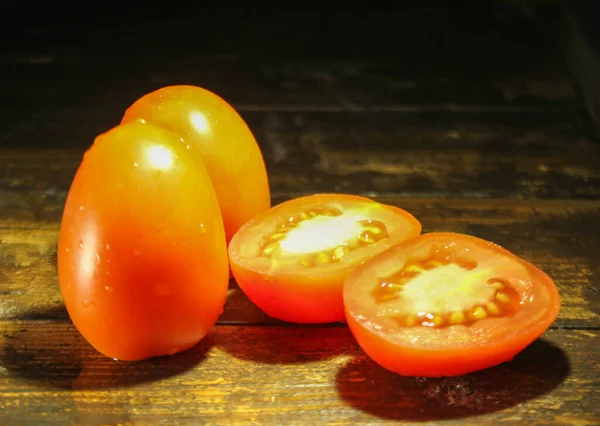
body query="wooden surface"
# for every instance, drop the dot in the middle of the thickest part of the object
(470, 117)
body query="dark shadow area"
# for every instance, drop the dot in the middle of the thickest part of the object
(536, 371)
(285, 345)
(240, 310)
(56, 355)
(56, 312)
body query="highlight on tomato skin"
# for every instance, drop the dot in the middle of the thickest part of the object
(292, 260)
(142, 257)
(226, 145)
(446, 304)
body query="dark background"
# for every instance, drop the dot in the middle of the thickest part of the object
(171, 42)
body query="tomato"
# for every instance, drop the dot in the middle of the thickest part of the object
(292, 260)
(142, 257)
(224, 141)
(445, 304)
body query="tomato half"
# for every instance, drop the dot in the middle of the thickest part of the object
(292, 260)
(226, 144)
(142, 258)
(445, 304)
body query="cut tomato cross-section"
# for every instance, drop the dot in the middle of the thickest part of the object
(444, 304)
(292, 260)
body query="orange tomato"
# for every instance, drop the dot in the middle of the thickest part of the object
(444, 304)
(142, 257)
(292, 260)
(224, 141)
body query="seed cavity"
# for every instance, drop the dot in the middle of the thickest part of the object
(371, 231)
(502, 299)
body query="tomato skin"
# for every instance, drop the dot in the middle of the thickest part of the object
(432, 352)
(142, 258)
(226, 145)
(299, 299)
(306, 296)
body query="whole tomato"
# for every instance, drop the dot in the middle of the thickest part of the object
(142, 258)
(227, 146)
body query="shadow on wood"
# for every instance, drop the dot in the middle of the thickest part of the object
(288, 345)
(63, 359)
(537, 370)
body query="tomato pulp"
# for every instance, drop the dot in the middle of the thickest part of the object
(142, 257)
(292, 260)
(444, 304)
(220, 136)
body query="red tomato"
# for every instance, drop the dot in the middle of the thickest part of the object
(292, 260)
(224, 141)
(445, 304)
(142, 258)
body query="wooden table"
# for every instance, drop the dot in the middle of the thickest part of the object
(471, 118)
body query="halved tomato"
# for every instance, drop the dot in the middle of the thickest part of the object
(292, 260)
(445, 304)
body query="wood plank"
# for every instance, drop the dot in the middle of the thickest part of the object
(413, 154)
(558, 236)
(277, 375)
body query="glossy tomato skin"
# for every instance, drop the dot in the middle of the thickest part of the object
(297, 294)
(227, 146)
(450, 351)
(142, 259)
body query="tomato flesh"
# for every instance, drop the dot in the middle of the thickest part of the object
(444, 304)
(292, 260)
(224, 142)
(142, 258)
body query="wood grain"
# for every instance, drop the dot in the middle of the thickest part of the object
(559, 237)
(414, 154)
(276, 375)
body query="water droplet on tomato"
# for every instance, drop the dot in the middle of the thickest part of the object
(80, 243)
(81, 208)
(202, 228)
(108, 288)
(86, 303)
(67, 249)
(135, 164)
(107, 247)
(97, 258)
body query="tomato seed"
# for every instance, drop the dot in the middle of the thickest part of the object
(493, 308)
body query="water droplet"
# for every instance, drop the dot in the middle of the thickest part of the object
(115, 359)
(67, 249)
(80, 243)
(187, 146)
(85, 303)
(97, 258)
(135, 164)
(137, 252)
(108, 288)
(81, 208)
(107, 247)
(181, 139)
(202, 228)
(107, 273)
